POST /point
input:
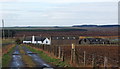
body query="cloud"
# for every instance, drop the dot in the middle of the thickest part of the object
(67, 1)
(8, 0)
(59, 1)
(34, 13)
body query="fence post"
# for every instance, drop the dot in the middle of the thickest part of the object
(73, 54)
(59, 52)
(43, 47)
(105, 62)
(54, 50)
(93, 60)
(84, 58)
(62, 55)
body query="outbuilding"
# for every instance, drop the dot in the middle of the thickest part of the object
(93, 41)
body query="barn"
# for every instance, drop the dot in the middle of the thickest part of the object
(37, 40)
(93, 41)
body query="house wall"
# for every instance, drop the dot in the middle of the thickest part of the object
(39, 42)
(27, 41)
(47, 41)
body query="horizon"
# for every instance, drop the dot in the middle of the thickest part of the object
(66, 26)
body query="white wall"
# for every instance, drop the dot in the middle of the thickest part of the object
(27, 41)
(47, 41)
(39, 42)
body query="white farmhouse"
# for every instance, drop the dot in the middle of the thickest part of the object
(37, 40)
(47, 41)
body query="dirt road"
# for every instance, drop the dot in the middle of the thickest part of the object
(18, 61)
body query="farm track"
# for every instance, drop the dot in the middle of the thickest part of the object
(18, 61)
(16, 58)
(39, 62)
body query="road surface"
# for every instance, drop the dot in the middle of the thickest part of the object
(17, 60)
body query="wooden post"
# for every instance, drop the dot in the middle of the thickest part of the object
(50, 48)
(73, 54)
(8, 33)
(62, 55)
(3, 32)
(105, 62)
(93, 60)
(43, 47)
(54, 50)
(84, 58)
(59, 52)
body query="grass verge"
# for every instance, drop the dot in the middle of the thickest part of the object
(27, 59)
(53, 61)
(6, 58)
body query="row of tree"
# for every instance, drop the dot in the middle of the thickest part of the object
(8, 33)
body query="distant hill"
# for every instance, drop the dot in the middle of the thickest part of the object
(109, 26)
(96, 26)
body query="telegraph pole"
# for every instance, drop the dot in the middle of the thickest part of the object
(3, 33)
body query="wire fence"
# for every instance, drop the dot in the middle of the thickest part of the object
(85, 56)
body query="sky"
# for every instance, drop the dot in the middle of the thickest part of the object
(58, 12)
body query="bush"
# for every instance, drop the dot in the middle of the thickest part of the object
(18, 41)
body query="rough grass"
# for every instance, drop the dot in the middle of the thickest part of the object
(7, 48)
(27, 59)
(6, 51)
(44, 56)
(0, 57)
(7, 41)
(6, 58)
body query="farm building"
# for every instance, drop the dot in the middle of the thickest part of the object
(93, 41)
(68, 40)
(64, 40)
(37, 40)
(109, 39)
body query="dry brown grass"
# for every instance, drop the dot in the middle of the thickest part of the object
(7, 48)
(27, 59)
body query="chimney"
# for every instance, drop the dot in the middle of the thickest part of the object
(33, 39)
